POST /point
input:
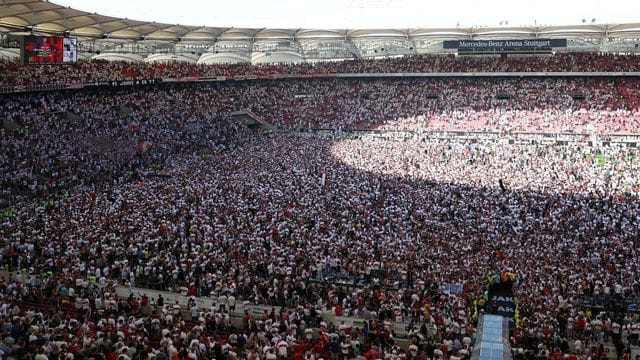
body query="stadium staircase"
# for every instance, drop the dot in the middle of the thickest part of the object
(252, 121)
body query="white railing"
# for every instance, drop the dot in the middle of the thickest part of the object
(205, 303)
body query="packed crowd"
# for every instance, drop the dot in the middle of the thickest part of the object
(157, 187)
(96, 71)
(529, 105)
(55, 141)
(93, 323)
(244, 223)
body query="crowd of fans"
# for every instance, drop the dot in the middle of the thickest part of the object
(95, 71)
(530, 105)
(271, 221)
(54, 141)
(158, 187)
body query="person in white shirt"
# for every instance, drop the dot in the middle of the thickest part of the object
(41, 356)
(282, 349)
(222, 302)
(578, 347)
(231, 301)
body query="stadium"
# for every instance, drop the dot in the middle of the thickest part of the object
(199, 192)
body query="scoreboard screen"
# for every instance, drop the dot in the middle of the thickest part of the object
(49, 50)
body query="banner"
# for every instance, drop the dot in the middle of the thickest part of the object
(610, 303)
(452, 289)
(33, 88)
(500, 298)
(302, 76)
(504, 305)
(118, 83)
(193, 79)
(7, 89)
(504, 44)
(353, 322)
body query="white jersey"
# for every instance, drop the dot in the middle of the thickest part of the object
(282, 348)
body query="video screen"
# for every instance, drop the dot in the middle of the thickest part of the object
(70, 53)
(49, 50)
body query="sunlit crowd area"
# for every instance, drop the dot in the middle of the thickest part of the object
(368, 199)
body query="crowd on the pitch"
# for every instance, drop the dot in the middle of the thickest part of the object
(157, 187)
(95, 71)
(54, 142)
(57, 141)
(528, 105)
(267, 222)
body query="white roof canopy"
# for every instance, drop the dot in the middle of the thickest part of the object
(99, 33)
(46, 17)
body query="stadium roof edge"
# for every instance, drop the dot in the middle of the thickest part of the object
(45, 17)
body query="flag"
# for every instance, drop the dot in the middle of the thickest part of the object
(502, 186)
(143, 146)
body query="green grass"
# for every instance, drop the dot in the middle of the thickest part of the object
(9, 213)
(600, 160)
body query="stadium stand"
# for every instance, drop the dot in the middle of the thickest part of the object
(95, 70)
(100, 206)
(380, 219)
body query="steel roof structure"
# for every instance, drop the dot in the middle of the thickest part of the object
(106, 33)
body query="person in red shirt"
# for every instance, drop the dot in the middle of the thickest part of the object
(372, 354)
(581, 324)
(444, 348)
(126, 331)
(134, 304)
(324, 338)
(318, 348)
(601, 352)
(556, 355)
(299, 350)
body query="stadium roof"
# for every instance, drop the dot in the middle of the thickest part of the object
(46, 17)
(115, 38)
